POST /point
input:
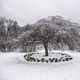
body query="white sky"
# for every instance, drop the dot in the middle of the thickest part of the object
(29, 11)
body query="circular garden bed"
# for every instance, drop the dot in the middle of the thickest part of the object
(52, 58)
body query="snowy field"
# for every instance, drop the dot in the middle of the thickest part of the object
(14, 67)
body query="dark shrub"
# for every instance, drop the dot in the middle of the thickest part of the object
(33, 59)
(46, 61)
(51, 60)
(70, 58)
(56, 60)
(38, 60)
(59, 60)
(67, 59)
(42, 60)
(62, 54)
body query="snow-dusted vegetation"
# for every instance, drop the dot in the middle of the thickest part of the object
(53, 40)
(51, 58)
(54, 32)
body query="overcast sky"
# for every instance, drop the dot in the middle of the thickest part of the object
(29, 11)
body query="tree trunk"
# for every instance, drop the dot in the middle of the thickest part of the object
(46, 49)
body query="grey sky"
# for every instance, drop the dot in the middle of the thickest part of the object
(29, 11)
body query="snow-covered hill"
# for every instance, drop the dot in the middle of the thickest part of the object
(14, 67)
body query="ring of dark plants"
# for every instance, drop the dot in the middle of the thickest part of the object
(63, 58)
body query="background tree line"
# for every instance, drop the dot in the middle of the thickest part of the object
(54, 31)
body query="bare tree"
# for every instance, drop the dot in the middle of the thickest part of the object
(9, 30)
(43, 33)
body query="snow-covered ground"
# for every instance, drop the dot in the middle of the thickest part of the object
(14, 67)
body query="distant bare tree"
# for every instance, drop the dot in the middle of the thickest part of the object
(9, 30)
(43, 33)
(68, 37)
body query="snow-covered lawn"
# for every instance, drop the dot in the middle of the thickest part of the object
(14, 67)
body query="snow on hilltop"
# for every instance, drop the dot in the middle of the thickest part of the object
(14, 67)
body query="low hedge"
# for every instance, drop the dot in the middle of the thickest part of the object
(63, 58)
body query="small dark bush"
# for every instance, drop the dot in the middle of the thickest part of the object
(70, 58)
(65, 59)
(37, 60)
(42, 59)
(51, 60)
(46, 61)
(32, 59)
(62, 54)
(59, 60)
(56, 60)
